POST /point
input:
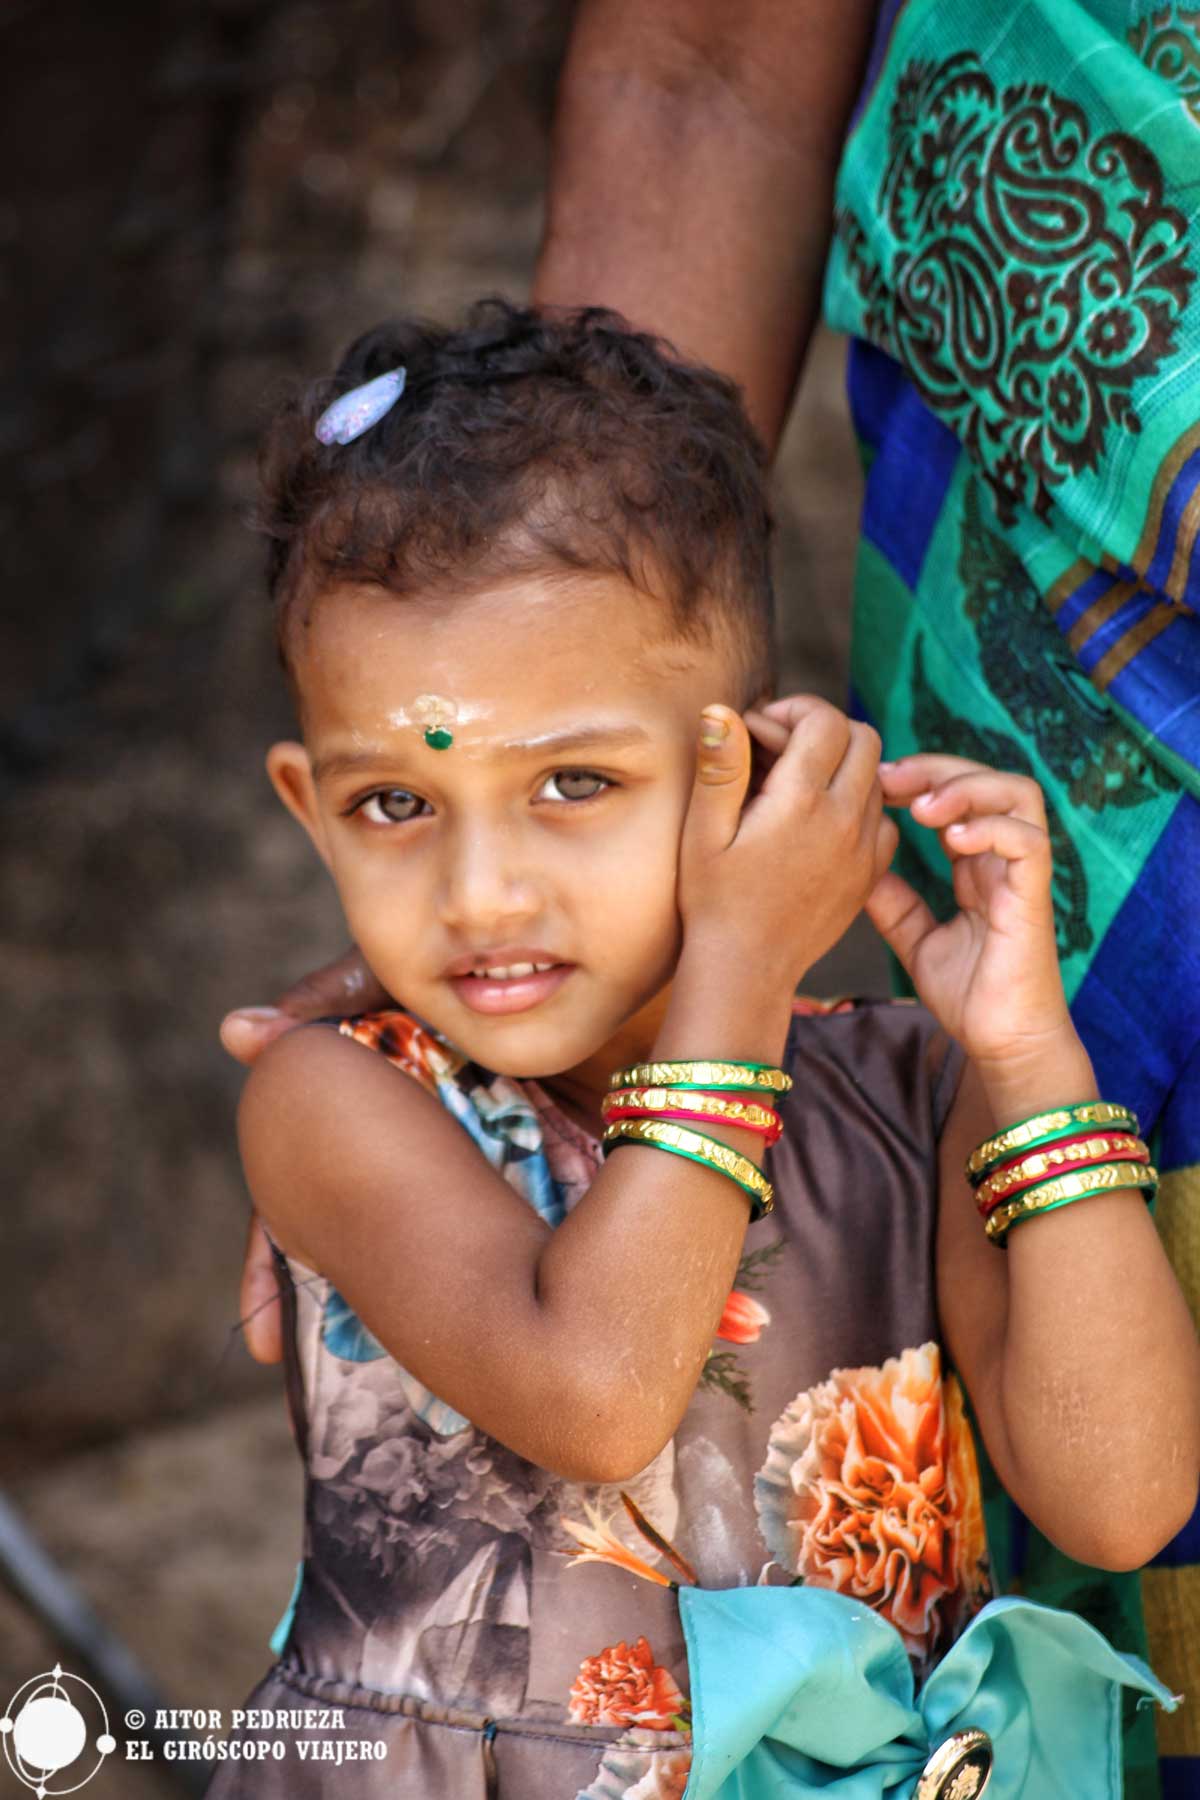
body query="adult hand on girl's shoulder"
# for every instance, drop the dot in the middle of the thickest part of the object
(990, 974)
(336, 990)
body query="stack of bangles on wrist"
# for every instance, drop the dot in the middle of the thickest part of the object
(645, 1103)
(1056, 1158)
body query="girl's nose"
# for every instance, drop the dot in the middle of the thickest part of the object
(486, 886)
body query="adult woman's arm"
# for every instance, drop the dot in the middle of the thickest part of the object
(691, 177)
(341, 987)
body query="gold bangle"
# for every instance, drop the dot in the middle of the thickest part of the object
(702, 1075)
(1042, 1162)
(665, 1134)
(714, 1106)
(1081, 1184)
(1017, 1137)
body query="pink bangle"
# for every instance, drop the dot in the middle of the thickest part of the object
(996, 1191)
(771, 1130)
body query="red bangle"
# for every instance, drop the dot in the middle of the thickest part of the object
(772, 1132)
(1129, 1149)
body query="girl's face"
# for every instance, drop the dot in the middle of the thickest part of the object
(513, 845)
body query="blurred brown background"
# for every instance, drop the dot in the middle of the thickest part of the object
(204, 200)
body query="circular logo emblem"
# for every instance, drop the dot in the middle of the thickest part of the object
(47, 1731)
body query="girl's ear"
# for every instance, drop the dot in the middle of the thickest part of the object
(291, 777)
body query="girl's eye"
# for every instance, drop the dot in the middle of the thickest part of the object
(567, 777)
(387, 806)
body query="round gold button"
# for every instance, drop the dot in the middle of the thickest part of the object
(959, 1769)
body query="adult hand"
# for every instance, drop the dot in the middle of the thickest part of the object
(344, 986)
(340, 988)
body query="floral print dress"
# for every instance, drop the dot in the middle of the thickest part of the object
(493, 1632)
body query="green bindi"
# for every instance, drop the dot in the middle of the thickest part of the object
(436, 714)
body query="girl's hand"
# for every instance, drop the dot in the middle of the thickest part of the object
(776, 876)
(990, 974)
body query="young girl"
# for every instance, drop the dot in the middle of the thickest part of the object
(631, 1302)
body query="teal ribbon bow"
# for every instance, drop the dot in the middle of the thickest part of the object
(799, 1693)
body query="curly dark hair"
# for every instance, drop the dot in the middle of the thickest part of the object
(527, 440)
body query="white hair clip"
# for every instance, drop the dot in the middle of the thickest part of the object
(355, 412)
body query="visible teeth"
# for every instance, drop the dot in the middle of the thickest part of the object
(514, 971)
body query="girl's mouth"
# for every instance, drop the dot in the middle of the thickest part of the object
(515, 993)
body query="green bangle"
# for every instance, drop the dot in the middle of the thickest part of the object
(1045, 1128)
(664, 1134)
(1119, 1175)
(680, 1072)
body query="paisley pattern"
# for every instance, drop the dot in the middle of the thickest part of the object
(1033, 673)
(1168, 42)
(1058, 723)
(1012, 265)
(1036, 275)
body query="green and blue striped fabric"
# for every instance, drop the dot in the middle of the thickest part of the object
(1015, 259)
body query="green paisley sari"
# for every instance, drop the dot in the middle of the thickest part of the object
(1016, 258)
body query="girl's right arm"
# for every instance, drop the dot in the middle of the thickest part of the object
(578, 1347)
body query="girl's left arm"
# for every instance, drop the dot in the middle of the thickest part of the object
(1073, 1341)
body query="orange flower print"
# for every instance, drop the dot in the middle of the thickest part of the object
(600, 1543)
(743, 1319)
(870, 1488)
(406, 1043)
(622, 1686)
(974, 1581)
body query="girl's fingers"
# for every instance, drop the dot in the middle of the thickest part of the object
(855, 775)
(1025, 849)
(815, 748)
(720, 781)
(766, 731)
(789, 710)
(900, 916)
(886, 839)
(924, 768)
(977, 793)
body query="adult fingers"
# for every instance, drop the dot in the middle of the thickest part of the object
(341, 987)
(258, 1299)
